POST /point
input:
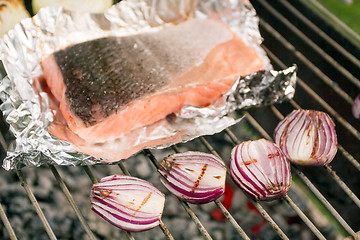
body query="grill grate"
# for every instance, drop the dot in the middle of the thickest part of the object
(329, 63)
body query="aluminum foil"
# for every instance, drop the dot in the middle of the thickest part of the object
(54, 28)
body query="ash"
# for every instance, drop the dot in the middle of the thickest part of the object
(65, 225)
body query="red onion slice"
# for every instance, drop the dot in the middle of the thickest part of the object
(195, 177)
(129, 203)
(307, 137)
(356, 107)
(260, 169)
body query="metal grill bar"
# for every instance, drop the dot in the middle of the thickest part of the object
(287, 198)
(349, 157)
(3, 142)
(124, 169)
(36, 205)
(306, 87)
(198, 223)
(258, 127)
(321, 33)
(165, 230)
(129, 235)
(341, 183)
(351, 238)
(2, 212)
(209, 147)
(328, 108)
(186, 206)
(126, 172)
(324, 36)
(324, 201)
(258, 206)
(308, 63)
(90, 174)
(319, 100)
(346, 226)
(231, 219)
(303, 37)
(338, 180)
(94, 180)
(324, 104)
(217, 202)
(311, 92)
(269, 219)
(304, 218)
(335, 19)
(317, 193)
(161, 225)
(72, 202)
(328, 168)
(7, 223)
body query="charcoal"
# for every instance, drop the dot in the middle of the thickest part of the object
(65, 224)
(19, 205)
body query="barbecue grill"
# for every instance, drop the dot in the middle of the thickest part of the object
(328, 80)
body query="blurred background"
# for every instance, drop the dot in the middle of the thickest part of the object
(322, 38)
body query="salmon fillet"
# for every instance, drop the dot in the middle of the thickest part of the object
(110, 86)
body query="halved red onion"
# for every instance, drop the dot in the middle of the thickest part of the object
(129, 203)
(195, 177)
(260, 169)
(307, 137)
(356, 107)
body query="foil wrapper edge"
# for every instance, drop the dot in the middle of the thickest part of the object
(21, 53)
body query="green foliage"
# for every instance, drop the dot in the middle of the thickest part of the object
(349, 14)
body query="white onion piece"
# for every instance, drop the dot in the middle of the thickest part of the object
(93, 6)
(307, 137)
(129, 203)
(260, 169)
(11, 12)
(356, 107)
(195, 177)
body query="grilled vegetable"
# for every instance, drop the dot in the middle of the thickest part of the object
(194, 177)
(11, 12)
(94, 6)
(356, 107)
(129, 203)
(307, 137)
(260, 169)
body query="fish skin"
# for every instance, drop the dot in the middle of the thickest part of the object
(98, 106)
(104, 76)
